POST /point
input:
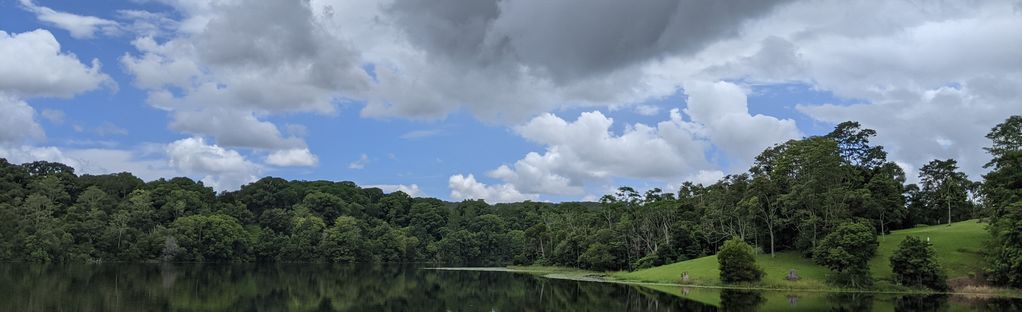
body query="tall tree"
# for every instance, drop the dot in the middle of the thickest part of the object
(885, 201)
(1002, 195)
(946, 187)
(1002, 186)
(815, 185)
(853, 143)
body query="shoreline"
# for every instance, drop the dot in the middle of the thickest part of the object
(572, 274)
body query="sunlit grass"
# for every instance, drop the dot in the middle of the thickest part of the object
(958, 249)
(705, 271)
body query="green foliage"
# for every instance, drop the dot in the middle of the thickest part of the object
(326, 206)
(427, 220)
(1006, 256)
(597, 257)
(389, 244)
(1002, 195)
(945, 191)
(343, 241)
(277, 220)
(214, 238)
(737, 263)
(303, 243)
(117, 185)
(52, 187)
(915, 264)
(458, 248)
(847, 251)
(13, 179)
(395, 207)
(38, 235)
(792, 201)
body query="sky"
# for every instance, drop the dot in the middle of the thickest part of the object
(502, 100)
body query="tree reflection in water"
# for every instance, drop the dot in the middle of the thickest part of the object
(309, 287)
(328, 287)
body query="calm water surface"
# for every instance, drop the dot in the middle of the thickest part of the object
(324, 287)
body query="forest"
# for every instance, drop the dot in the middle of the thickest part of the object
(792, 197)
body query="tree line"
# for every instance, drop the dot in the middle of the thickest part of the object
(792, 197)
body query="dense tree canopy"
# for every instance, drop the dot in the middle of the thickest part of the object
(796, 193)
(820, 195)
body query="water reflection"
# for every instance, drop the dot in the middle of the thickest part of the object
(750, 300)
(851, 302)
(306, 287)
(921, 303)
(740, 300)
(323, 287)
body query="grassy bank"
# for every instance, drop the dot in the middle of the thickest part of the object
(957, 247)
(704, 271)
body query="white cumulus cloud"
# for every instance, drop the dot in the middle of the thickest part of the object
(17, 121)
(587, 151)
(463, 187)
(221, 168)
(292, 158)
(412, 190)
(32, 64)
(80, 26)
(722, 111)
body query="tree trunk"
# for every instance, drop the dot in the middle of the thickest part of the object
(949, 211)
(881, 223)
(542, 253)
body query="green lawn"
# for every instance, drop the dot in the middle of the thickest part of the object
(704, 271)
(957, 249)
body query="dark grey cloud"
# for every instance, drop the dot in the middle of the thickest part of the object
(569, 40)
(282, 38)
(448, 28)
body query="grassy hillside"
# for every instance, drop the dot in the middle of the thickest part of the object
(957, 249)
(704, 271)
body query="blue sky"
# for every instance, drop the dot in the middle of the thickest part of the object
(395, 94)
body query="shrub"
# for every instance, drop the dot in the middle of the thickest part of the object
(914, 264)
(847, 251)
(737, 263)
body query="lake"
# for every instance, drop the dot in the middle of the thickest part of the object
(327, 287)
